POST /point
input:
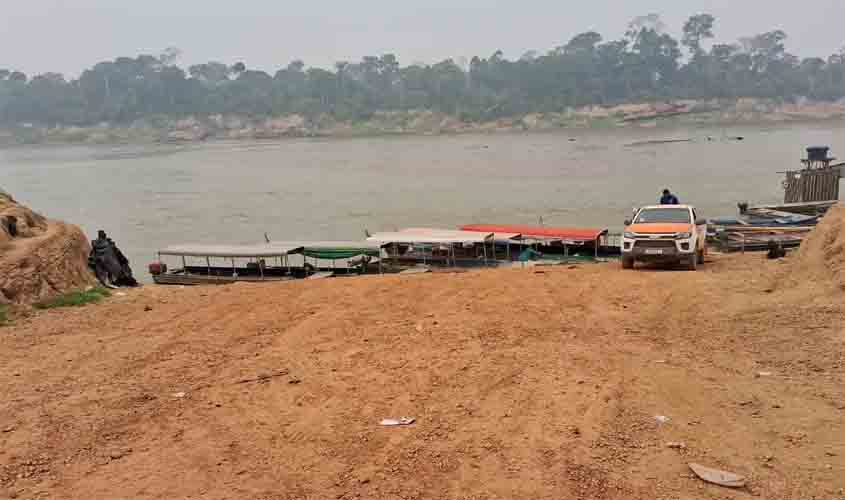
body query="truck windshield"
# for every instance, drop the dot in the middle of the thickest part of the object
(664, 215)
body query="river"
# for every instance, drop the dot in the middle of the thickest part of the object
(147, 197)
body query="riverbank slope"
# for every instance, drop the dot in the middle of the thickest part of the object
(190, 129)
(524, 383)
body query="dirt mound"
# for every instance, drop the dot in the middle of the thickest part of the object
(21, 221)
(821, 258)
(39, 258)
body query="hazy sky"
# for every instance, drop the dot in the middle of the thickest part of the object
(70, 35)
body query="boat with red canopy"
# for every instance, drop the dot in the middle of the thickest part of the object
(552, 239)
(563, 234)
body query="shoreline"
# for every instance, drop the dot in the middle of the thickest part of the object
(415, 123)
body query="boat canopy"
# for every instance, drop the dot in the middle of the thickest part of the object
(331, 250)
(562, 234)
(232, 251)
(428, 235)
(497, 236)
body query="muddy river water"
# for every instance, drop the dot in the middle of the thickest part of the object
(147, 197)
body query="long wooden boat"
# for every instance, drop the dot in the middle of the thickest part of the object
(811, 208)
(488, 245)
(339, 258)
(555, 243)
(272, 261)
(436, 247)
(223, 264)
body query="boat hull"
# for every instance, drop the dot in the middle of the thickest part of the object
(195, 280)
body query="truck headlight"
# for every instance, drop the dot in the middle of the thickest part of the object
(683, 236)
(628, 235)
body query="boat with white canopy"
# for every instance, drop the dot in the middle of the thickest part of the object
(221, 264)
(435, 246)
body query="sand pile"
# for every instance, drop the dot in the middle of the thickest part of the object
(39, 258)
(821, 258)
(27, 223)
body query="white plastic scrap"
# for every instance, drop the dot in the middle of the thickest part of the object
(392, 422)
(720, 477)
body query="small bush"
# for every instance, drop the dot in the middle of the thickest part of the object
(75, 299)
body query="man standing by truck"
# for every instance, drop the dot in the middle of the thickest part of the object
(668, 198)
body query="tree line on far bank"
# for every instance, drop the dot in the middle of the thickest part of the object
(647, 64)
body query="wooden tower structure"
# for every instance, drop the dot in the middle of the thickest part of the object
(817, 181)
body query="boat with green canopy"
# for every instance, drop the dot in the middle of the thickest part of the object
(334, 250)
(337, 257)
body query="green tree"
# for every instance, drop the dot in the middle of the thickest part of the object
(655, 56)
(765, 49)
(211, 73)
(696, 29)
(644, 65)
(238, 68)
(583, 43)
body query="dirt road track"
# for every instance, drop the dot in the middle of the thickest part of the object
(524, 384)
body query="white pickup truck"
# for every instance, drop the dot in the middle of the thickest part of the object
(671, 234)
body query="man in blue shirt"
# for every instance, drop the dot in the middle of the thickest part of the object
(668, 198)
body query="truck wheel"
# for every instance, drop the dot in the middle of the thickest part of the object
(700, 257)
(627, 262)
(692, 263)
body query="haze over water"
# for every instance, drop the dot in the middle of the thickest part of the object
(148, 197)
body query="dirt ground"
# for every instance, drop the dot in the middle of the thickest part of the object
(525, 384)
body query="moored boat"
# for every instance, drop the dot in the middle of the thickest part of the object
(438, 247)
(223, 264)
(549, 243)
(271, 261)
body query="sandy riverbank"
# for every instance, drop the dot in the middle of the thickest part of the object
(525, 384)
(233, 127)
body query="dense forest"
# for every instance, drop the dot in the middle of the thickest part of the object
(647, 64)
